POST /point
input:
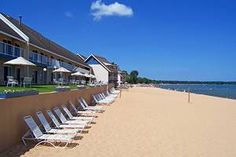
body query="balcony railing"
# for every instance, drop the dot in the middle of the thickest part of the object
(10, 50)
(67, 66)
(39, 58)
(42, 59)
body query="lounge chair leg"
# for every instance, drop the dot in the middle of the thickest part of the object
(45, 143)
(23, 140)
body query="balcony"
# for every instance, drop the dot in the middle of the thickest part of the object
(67, 66)
(39, 58)
(10, 50)
(49, 62)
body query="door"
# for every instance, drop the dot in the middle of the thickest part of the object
(5, 73)
(35, 77)
(18, 74)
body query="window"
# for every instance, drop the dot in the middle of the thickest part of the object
(1, 47)
(17, 50)
(8, 47)
(35, 55)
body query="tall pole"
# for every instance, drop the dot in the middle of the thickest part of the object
(189, 96)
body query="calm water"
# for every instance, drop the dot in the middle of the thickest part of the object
(225, 91)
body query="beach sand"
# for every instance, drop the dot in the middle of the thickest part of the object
(156, 122)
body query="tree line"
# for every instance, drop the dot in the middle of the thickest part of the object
(133, 78)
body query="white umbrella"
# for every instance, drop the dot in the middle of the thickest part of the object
(77, 74)
(20, 61)
(61, 70)
(92, 76)
(87, 75)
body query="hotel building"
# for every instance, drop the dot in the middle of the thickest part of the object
(17, 39)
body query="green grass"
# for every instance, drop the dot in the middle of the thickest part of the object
(40, 88)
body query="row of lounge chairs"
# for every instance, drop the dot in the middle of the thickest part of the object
(107, 97)
(64, 124)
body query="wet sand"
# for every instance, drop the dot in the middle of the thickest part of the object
(156, 122)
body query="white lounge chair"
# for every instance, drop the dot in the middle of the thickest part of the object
(36, 134)
(107, 97)
(99, 101)
(70, 122)
(113, 91)
(83, 113)
(49, 129)
(71, 117)
(66, 126)
(100, 97)
(85, 106)
(111, 95)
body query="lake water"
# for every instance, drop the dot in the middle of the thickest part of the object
(225, 91)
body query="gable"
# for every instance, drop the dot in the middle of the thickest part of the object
(92, 60)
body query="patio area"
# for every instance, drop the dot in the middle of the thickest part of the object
(39, 88)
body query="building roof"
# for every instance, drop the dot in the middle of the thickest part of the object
(37, 39)
(82, 56)
(6, 29)
(111, 67)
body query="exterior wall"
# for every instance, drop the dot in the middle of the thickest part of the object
(13, 110)
(100, 72)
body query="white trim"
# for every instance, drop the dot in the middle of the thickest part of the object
(98, 61)
(12, 36)
(12, 26)
(59, 55)
(81, 56)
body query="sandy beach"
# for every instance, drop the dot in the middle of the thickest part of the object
(155, 122)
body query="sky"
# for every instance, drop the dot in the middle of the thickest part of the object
(163, 40)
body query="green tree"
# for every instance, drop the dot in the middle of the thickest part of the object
(133, 77)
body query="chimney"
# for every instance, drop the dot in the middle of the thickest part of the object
(20, 20)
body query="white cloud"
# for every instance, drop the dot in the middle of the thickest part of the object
(68, 14)
(100, 9)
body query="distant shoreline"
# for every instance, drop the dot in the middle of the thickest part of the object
(197, 82)
(218, 90)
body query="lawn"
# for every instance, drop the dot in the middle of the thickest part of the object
(40, 88)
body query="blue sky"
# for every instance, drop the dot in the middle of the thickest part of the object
(171, 40)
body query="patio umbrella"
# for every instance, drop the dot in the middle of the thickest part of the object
(87, 75)
(61, 70)
(19, 61)
(77, 74)
(92, 76)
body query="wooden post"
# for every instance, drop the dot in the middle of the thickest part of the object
(189, 98)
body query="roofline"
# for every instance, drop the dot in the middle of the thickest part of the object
(59, 55)
(13, 36)
(81, 56)
(14, 27)
(26, 38)
(99, 62)
(42, 48)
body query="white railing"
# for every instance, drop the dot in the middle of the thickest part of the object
(67, 66)
(10, 50)
(39, 58)
(42, 59)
